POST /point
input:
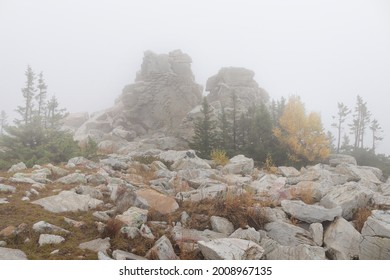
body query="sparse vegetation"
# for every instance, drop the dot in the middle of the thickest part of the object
(219, 157)
(360, 217)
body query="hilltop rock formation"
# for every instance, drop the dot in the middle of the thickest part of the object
(153, 107)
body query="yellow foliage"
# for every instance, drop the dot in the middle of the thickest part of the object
(303, 134)
(219, 157)
(269, 164)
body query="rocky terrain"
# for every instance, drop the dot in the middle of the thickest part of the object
(173, 205)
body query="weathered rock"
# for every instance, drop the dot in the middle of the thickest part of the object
(221, 225)
(73, 223)
(81, 161)
(68, 201)
(8, 231)
(180, 234)
(288, 235)
(3, 200)
(317, 232)
(45, 227)
(145, 232)
(74, 178)
(231, 249)
(130, 232)
(45, 239)
(239, 165)
(310, 213)
(96, 245)
(342, 240)
(157, 201)
(12, 254)
(87, 190)
(288, 171)
(376, 237)
(133, 217)
(115, 163)
(3, 243)
(162, 250)
(208, 192)
(336, 159)
(58, 171)
(299, 252)
(123, 255)
(356, 173)
(7, 189)
(248, 234)
(349, 196)
(17, 167)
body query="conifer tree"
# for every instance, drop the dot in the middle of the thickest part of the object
(342, 115)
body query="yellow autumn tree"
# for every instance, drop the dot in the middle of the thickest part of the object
(302, 134)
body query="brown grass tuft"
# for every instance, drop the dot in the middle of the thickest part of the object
(112, 228)
(361, 215)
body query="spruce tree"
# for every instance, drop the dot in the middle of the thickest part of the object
(342, 115)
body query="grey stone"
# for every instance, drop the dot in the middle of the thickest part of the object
(310, 213)
(133, 217)
(349, 196)
(146, 232)
(68, 201)
(103, 256)
(231, 249)
(162, 250)
(299, 252)
(96, 245)
(342, 240)
(58, 171)
(45, 239)
(239, 165)
(317, 232)
(45, 227)
(288, 235)
(12, 254)
(123, 255)
(3, 200)
(288, 171)
(376, 237)
(3, 243)
(248, 234)
(157, 201)
(87, 190)
(208, 192)
(130, 232)
(356, 173)
(221, 225)
(7, 189)
(336, 159)
(74, 178)
(180, 234)
(17, 167)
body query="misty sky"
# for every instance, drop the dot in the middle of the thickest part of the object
(325, 51)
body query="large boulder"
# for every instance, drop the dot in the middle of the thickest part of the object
(349, 197)
(239, 165)
(299, 252)
(310, 213)
(162, 250)
(376, 237)
(157, 201)
(288, 234)
(12, 254)
(336, 159)
(68, 201)
(342, 240)
(231, 249)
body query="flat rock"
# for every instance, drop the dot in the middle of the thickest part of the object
(7, 188)
(88, 190)
(68, 201)
(336, 159)
(133, 217)
(288, 171)
(349, 197)
(3, 200)
(299, 252)
(342, 240)
(288, 234)
(231, 249)
(96, 245)
(239, 165)
(221, 225)
(45, 239)
(317, 232)
(45, 227)
(162, 250)
(376, 237)
(12, 254)
(356, 173)
(123, 255)
(180, 234)
(248, 234)
(208, 192)
(157, 201)
(310, 213)
(74, 178)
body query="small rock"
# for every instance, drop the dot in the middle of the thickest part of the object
(12, 254)
(133, 217)
(162, 250)
(73, 223)
(248, 234)
(55, 252)
(17, 167)
(3, 243)
(58, 171)
(50, 239)
(96, 245)
(184, 218)
(74, 178)
(130, 232)
(101, 216)
(288, 171)
(123, 255)
(103, 256)
(317, 232)
(3, 200)
(8, 231)
(45, 227)
(146, 232)
(87, 190)
(239, 165)
(7, 189)
(159, 202)
(288, 234)
(221, 225)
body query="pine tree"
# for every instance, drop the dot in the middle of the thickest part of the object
(3, 121)
(28, 91)
(376, 130)
(360, 122)
(223, 134)
(342, 114)
(54, 115)
(41, 96)
(205, 137)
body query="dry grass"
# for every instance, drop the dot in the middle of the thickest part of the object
(305, 194)
(219, 157)
(361, 215)
(269, 165)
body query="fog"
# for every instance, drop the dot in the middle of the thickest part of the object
(325, 51)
